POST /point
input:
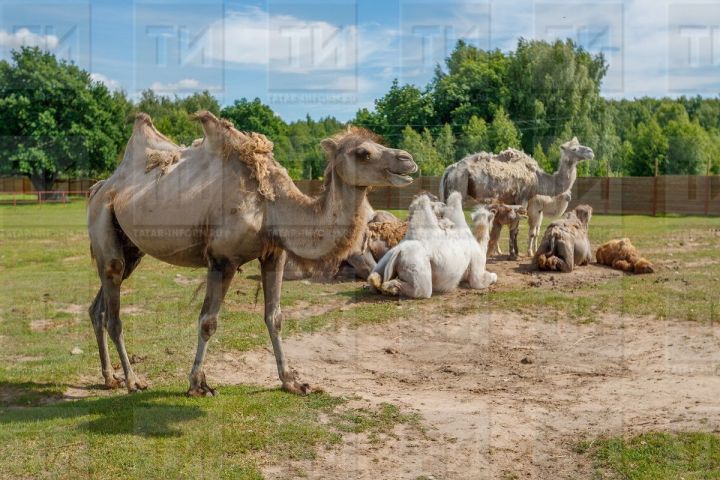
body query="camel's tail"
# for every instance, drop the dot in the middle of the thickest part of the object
(452, 179)
(443, 179)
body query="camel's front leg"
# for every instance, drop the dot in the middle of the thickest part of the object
(271, 269)
(220, 274)
(513, 239)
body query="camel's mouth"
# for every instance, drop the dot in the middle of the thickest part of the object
(398, 179)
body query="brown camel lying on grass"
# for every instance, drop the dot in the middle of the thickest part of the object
(622, 255)
(565, 243)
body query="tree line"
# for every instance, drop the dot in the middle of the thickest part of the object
(57, 122)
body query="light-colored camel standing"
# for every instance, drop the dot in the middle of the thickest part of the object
(511, 176)
(539, 206)
(565, 243)
(220, 204)
(435, 256)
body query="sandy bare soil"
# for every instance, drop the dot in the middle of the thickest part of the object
(500, 395)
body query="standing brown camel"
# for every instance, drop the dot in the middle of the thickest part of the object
(220, 204)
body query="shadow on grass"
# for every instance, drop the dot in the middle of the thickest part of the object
(156, 413)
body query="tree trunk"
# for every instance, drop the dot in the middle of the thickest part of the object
(43, 182)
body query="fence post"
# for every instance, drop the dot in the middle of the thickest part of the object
(655, 186)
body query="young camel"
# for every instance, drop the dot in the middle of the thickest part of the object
(219, 204)
(541, 205)
(505, 215)
(566, 243)
(435, 256)
(622, 255)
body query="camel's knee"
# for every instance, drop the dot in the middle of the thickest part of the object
(114, 270)
(273, 320)
(208, 326)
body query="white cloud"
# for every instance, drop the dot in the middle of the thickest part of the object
(111, 84)
(253, 37)
(186, 85)
(24, 37)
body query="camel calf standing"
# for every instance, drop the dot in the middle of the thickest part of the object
(622, 255)
(505, 215)
(565, 243)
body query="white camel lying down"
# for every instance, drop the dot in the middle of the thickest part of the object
(437, 254)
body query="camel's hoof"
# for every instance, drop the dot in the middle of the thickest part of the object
(297, 388)
(113, 382)
(202, 391)
(136, 384)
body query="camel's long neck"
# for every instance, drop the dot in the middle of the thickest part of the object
(558, 182)
(481, 233)
(323, 228)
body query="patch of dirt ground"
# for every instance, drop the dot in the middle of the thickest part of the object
(500, 395)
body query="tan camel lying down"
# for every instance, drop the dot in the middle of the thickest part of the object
(622, 255)
(565, 243)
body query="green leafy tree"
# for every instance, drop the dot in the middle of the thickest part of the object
(650, 145)
(553, 86)
(445, 145)
(254, 116)
(475, 84)
(475, 137)
(503, 132)
(689, 149)
(421, 148)
(541, 158)
(401, 106)
(56, 121)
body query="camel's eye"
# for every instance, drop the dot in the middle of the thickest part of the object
(362, 154)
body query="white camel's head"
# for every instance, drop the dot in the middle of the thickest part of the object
(482, 219)
(573, 152)
(359, 159)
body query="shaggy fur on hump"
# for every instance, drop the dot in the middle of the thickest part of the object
(352, 240)
(253, 149)
(622, 255)
(160, 158)
(390, 232)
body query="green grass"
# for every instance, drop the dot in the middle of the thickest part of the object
(657, 456)
(48, 280)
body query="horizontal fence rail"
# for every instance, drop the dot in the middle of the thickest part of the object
(684, 195)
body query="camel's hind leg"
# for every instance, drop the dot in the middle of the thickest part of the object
(116, 258)
(271, 269)
(97, 316)
(565, 257)
(220, 275)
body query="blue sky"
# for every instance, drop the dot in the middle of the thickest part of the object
(333, 57)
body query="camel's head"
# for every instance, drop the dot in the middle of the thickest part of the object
(574, 152)
(506, 214)
(482, 219)
(435, 204)
(565, 196)
(584, 213)
(359, 159)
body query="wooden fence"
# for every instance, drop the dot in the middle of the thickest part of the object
(685, 195)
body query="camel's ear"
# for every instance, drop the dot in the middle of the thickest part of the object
(212, 127)
(330, 146)
(494, 209)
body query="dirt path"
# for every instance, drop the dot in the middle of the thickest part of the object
(500, 395)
